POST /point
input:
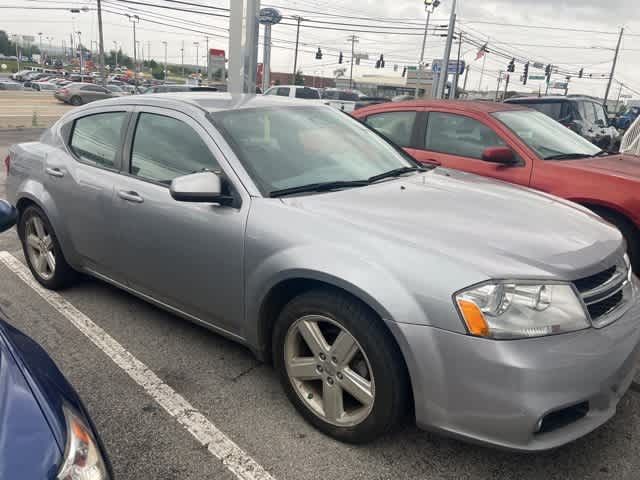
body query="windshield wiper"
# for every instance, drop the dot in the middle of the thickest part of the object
(396, 173)
(318, 187)
(567, 156)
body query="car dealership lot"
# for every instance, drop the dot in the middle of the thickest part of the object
(29, 108)
(243, 399)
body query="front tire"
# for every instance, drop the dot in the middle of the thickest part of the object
(42, 250)
(340, 367)
(76, 101)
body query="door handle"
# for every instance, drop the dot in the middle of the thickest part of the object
(130, 196)
(54, 172)
(432, 161)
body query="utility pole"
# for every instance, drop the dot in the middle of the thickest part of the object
(353, 39)
(208, 56)
(484, 61)
(429, 8)
(165, 61)
(506, 86)
(197, 45)
(101, 43)
(40, 35)
(81, 53)
(615, 109)
(149, 51)
(135, 19)
(454, 91)
(613, 67)
(498, 87)
(299, 19)
(466, 77)
(444, 74)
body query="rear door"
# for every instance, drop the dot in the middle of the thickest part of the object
(80, 179)
(457, 140)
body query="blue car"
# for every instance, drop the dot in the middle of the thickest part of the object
(45, 430)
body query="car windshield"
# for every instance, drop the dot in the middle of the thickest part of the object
(545, 136)
(290, 147)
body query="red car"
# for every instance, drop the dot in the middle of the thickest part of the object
(517, 145)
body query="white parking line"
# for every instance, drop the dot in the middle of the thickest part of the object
(218, 444)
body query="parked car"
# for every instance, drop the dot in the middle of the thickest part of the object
(512, 143)
(349, 100)
(294, 91)
(370, 280)
(179, 88)
(624, 120)
(46, 429)
(6, 84)
(46, 84)
(584, 115)
(116, 89)
(18, 75)
(81, 93)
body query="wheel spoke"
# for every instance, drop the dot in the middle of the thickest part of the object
(314, 338)
(358, 387)
(344, 348)
(33, 242)
(48, 242)
(304, 368)
(332, 401)
(39, 227)
(51, 261)
(41, 263)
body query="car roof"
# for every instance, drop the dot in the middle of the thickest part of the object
(551, 99)
(459, 105)
(206, 101)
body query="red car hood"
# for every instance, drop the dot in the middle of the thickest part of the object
(620, 165)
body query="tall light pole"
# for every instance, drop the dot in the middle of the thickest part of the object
(197, 45)
(16, 39)
(182, 58)
(40, 43)
(295, 55)
(353, 39)
(208, 56)
(115, 45)
(444, 74)
(134, 19)
(613, 67)
(101, 43)
(165, 61)
(81, 53)
(430, 6)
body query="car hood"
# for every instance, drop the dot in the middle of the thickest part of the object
(28, 448)
(621, 165)
(500, 230)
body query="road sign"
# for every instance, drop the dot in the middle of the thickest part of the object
(538, 65)
(559, 85)
(537, 77)
(270, 16)
(454, 66)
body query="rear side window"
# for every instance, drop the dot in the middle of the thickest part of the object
(165, 148)
(283, 91)
(96, 139)
(553, 110)
(308, 93)
(396, 126)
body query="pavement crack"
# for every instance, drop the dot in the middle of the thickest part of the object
(245, 372)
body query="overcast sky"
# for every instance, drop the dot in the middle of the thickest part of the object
(570, 50)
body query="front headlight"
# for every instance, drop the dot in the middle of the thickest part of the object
(82, 458)
(511, 310)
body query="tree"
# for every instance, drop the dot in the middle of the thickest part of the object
(5, 44)
(299, 78)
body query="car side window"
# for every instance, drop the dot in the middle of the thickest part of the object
(271, 91)
(96, 139)
(459, 135)
(283, 91)
(165, 148)
(396, 126)
(590, 114)
(308, 93)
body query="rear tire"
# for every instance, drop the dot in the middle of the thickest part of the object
(355, 393)
(42, 250)
(629, 232)
(76, 101)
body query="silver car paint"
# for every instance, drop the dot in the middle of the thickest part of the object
(403, 246)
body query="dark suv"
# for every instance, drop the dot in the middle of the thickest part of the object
(584, 115)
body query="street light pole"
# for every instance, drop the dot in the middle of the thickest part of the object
(208, 56)
(295, 56)
(613, 67)
(182, 56)
(430, 6)
(454, 91)
(165, 61)
(197, 45)
(447, 53)
(81, 53)
(101, 43)
(353, 40)
(134, 19)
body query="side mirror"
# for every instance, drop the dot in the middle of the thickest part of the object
(501, 155)
(202, 187)
(8, 215)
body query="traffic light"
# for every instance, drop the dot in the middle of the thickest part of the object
(340, 58)
(581, 73)
(380, 62)
(512, 66)
(525, 77)
(404, 72)
(319, 54)
(547, 72)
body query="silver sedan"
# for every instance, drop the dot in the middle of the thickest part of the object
(380, 290)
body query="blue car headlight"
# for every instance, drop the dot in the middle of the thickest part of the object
(82, 457)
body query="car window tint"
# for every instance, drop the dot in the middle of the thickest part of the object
(600, 115)
(283, 91)
(590, 114)
(165, 148)
(459, 135)
(96, 139)
(396, 126)
(553, 110)
(308, 93)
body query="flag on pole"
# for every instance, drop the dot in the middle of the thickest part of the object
(482, 51)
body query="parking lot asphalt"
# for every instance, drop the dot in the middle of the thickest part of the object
(20, 109)
(243, 399)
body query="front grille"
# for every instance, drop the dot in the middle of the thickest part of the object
(603, 293)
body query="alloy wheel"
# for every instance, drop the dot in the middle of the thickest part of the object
(329, 370)
(40, 248)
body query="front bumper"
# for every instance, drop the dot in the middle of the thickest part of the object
(496, 392)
